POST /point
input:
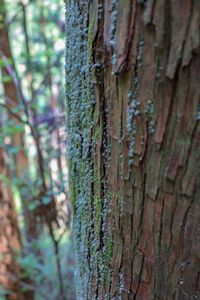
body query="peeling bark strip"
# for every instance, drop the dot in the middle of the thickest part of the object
(132, 82)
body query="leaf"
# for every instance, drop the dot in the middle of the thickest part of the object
(4, 178)
(13, 150)
(6, 79)
(2, 63)
(11, 130)
(46, 200)
(33, 205)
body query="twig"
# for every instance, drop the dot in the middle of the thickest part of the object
(14, 114)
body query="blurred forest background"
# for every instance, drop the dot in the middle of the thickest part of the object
(36, 255)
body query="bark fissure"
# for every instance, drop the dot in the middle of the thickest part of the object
(144, 132)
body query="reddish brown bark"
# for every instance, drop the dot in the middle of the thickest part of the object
(10, 245)
(146, 81)
(12, 101)
(10, 88)
(10, 235)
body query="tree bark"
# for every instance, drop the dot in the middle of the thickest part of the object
(12, 102)
(10, 244)
(9, 227)
(10, 89)
(133, 70)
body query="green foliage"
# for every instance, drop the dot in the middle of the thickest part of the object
(12, 128)
(42, 269)
(40, 186)
(4, 292)
(6, 79)
(4, 178)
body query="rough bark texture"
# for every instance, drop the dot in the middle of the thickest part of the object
(133, 70)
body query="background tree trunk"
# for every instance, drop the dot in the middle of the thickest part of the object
(11, 92)
(133, 70)
(10, 244)
(12, 102)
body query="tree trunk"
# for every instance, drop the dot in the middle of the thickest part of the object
(10, 89)
(10, 244)
(12, 103)
(133, 70)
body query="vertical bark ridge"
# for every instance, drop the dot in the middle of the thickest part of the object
(136, 191)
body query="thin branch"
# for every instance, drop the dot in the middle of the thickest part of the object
(13, 74)
(62, 234)
(14, 114)
(26, 110)
(9, 69)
